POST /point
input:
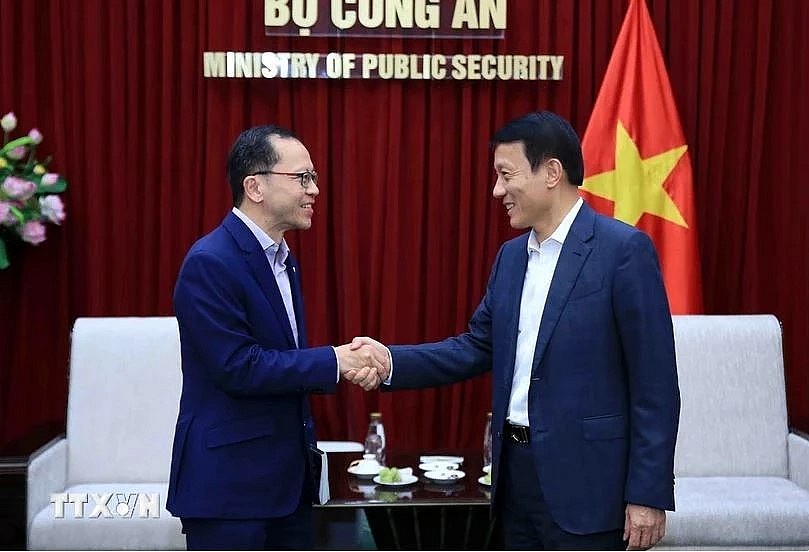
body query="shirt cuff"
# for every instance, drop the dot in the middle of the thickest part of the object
(337, 358)
(390, 372)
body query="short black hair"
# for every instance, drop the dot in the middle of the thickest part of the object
(252, 152)
(544, 135)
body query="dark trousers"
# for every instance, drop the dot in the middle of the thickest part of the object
(527, 523)
(292, 532)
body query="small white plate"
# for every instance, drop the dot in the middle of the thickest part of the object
(367, 475)
(482, 481)
(438, 466)
(444, 476)
(406, 480)
(427, 458)
(487, 469)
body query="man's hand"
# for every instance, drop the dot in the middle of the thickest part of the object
(362, 365)
(643, 526)
(367, 341)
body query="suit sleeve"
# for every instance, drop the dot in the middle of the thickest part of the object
(209, 304)
(454, 359)
(645, 327)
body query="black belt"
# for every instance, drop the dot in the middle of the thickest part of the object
(517, 433)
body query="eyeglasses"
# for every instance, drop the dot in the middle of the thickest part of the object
(306, 178)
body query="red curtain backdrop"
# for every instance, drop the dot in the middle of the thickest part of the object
(405, 228)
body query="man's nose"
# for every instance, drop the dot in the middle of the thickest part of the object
(499, 190)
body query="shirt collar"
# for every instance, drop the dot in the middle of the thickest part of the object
(264, 240)
(561, 231)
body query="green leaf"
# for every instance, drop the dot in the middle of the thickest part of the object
(59, 187)
(19, 214)
(23, 141)
(3, 255)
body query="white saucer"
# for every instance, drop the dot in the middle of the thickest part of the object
(406, 480)
(444, 476)
(427, 458)
(482, 481)
(438, 466)
(366, 475)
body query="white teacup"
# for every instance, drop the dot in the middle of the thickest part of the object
(367, 466)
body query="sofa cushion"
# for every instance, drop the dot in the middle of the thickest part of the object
(733, 419)
(125, 383)
(108, 533)
(738, 512)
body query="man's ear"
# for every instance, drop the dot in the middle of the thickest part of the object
(252, 190)
(554, 172)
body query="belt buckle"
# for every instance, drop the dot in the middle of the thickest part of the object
(519, 434)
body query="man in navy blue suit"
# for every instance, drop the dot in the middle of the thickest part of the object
(576, 327)
(242, 476)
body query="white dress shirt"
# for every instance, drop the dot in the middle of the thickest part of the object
(542, 260)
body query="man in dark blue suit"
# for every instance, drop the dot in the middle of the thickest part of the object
(576, 327)
(242, 476)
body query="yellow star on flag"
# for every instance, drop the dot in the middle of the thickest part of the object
(636, 185)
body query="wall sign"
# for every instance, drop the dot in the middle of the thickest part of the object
(434, 19)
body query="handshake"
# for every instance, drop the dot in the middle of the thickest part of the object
(364, 361)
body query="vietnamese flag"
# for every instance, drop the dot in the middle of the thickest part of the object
(637, 165)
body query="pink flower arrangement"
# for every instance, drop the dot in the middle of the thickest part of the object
(52, 208)
(33, 232)
(18, 188)
(28, 192)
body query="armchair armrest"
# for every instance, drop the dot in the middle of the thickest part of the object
(47, 473)
(798, 449)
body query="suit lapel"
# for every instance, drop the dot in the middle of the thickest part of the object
(260, 267)
(514, 268)
(297, 300)
(571, 260)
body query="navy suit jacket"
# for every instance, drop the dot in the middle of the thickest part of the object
(603, 402)
(244, 427)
